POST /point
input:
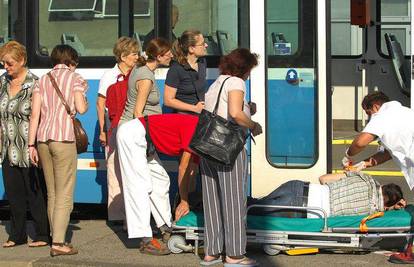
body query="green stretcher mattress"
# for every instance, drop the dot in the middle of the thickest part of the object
(394, 219)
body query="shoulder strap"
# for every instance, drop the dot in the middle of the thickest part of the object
(59, 93)
(219, 94)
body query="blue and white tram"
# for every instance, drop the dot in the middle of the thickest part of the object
(309, 71)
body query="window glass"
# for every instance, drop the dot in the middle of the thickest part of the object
(144, 21)
(396, 20)
(282, 27)
(346, 39)
(291, 91)
(216, 19)
(83, 24)
(4, 25)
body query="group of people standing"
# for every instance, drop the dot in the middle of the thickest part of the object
(36, 130)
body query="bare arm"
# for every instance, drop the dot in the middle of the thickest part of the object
(236, 98)
(143, 88)
(33, 125)
(81, 104)
(100, 108)
(172, 102)
(360, 142)
(378, 158)
(331, 177)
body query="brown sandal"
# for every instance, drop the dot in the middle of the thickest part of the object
(9, 244)
(38, 244)
(56, 252)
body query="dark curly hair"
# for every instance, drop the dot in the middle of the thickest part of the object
(392, 194)
(374, 98)
(238, 62)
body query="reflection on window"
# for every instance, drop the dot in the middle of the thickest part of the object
(282, 27)
(4, 26)
(290, 91)
(396, 20)
(216, 19)
(144, 24)
(79, 23)
(346, 39)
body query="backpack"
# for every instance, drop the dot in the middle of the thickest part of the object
(116, 97)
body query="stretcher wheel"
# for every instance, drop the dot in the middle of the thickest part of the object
(174, 241)
(270, 250)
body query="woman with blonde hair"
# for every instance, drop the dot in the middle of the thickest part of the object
(52, 139)
(145, 182)
(22, 185)
(184, 91)
(126, 51)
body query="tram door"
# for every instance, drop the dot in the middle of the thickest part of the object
(289, 87)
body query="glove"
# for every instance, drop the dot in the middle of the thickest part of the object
(359, 166)
(346, 161)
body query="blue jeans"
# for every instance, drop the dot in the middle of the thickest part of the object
(291, 193)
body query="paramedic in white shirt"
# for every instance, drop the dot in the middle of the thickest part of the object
(393, 125)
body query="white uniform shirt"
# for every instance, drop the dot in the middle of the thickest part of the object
(394, 126)
(108, 78)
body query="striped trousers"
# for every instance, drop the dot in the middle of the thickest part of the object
(224, 202)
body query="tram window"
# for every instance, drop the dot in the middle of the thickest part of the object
(216, 19)
(291, 90)
(396, 19)
(346, 39)
(78, 23)
(4, 26)
(282, 27)
(144, 21)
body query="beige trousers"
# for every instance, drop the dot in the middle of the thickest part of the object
(116, 206)
(59, 162)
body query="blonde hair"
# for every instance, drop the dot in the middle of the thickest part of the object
(16, 50)
(181, 46)
(125, 46)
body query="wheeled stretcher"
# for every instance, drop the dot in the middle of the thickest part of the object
(388, 230)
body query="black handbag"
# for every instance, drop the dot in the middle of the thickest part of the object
(217, 139)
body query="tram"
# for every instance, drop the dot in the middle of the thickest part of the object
(315, 65)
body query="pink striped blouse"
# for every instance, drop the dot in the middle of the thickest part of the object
(55, 123)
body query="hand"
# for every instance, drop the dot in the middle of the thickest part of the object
(102, 138)
(253, 108)
(346, 162)
(34, 157)
(182, 209)
(199, 107)
(257, 129)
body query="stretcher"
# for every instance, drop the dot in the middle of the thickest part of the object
(387, 230)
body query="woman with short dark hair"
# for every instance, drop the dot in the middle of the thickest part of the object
(224, 195)
(21, 182)
(52, 139)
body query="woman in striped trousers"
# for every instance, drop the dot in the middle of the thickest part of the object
(224, 194)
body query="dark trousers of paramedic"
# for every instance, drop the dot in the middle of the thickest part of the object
(224, 202)
(23, 188)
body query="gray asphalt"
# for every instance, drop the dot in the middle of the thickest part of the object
(101, 245)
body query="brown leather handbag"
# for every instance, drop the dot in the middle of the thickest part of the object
(80, 134)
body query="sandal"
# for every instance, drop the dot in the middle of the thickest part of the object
(9, 244)
(38, 244)
(215, 260)
(243, 262)
(56, 252)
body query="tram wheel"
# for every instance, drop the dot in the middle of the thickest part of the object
(269, 250)
(174, 241)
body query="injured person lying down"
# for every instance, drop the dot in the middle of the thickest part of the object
(349, 193)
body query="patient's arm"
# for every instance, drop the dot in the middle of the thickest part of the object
(331, 177)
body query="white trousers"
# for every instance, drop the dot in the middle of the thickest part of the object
(145, 182)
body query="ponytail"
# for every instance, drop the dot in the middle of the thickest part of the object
(141, 60)
(155, 48)
(181, 46)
